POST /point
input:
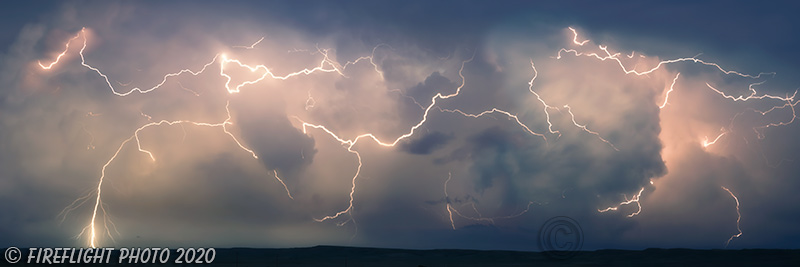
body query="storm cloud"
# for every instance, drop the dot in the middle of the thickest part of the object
(523, 121)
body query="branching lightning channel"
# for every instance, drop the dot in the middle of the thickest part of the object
(545, 107)
(616, 57)
(450, 209)
(350, 143)
(634, 199)
(569, 110)
(787, 101)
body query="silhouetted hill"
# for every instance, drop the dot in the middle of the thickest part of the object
(356, 256)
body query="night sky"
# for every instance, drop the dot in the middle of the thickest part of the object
(409, 124)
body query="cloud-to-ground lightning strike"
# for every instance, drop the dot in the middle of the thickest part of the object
(447, 201)
(328, 65)
(98, 201)
(738, 217)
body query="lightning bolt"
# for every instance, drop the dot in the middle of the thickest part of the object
(284, 184)
(634, 199)
(707, 143)
(738, 218)
(545, 106)
(447, 201)
(575, 39)
(66, 49)
(450, 209)
(616, 58)
(671, 88)
(569, 110)
(250, 46)
(188, 90)
(495, 110)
